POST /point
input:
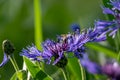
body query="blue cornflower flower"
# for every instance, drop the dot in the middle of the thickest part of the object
(8, 49)
(112, 26)
(53, 52)
(75, 42)
(112, 70)
(51, 49)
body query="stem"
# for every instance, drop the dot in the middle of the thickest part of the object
(118, 58)
(82, 72)
(118, 35)
(38, 23)
(14, 63)
(65, 73)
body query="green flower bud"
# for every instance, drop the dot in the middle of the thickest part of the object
(8, 47)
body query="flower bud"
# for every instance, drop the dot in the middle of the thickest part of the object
(7, 47)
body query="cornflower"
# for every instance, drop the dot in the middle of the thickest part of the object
(51, 49)
(53, 52)
(75, 42)
(114, 25)
(112, 70)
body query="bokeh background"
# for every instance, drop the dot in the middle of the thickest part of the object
(17, 23)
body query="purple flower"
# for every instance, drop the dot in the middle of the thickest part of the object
(51, 50)
(112, 26)
(112, 71)
(75, 42)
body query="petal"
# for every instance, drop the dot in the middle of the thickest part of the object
(31, 52)
(115, 4)
(5, 60)
(58, 59)
(113, 32)
(76, 28)
(108, 11)
(101, 24)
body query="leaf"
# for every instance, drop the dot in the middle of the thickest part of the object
(74, 67)
(14, 77)
(103, 49)
(36, 72)
(21, 75)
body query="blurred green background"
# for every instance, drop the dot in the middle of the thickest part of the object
(17, 22)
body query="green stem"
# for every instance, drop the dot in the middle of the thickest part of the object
(14, 63)
(118, 58)
(38, 23)
(65, 73)
(82, 72)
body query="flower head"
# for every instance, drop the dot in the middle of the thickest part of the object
(112, 70)
(8, 49)
(112, 26)
(53, 52)
(51, 49)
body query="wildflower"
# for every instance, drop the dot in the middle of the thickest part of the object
(75, 42)
(8, 49)
(112, 71)
(51, 50)
(112, 26)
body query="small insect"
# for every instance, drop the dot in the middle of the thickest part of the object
(63, 37)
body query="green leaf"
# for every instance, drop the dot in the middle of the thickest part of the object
(14, 77)
(103, 49)
(21, 75)
(36, 72)
(74, 67)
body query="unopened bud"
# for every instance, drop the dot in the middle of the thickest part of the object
(8, 47)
